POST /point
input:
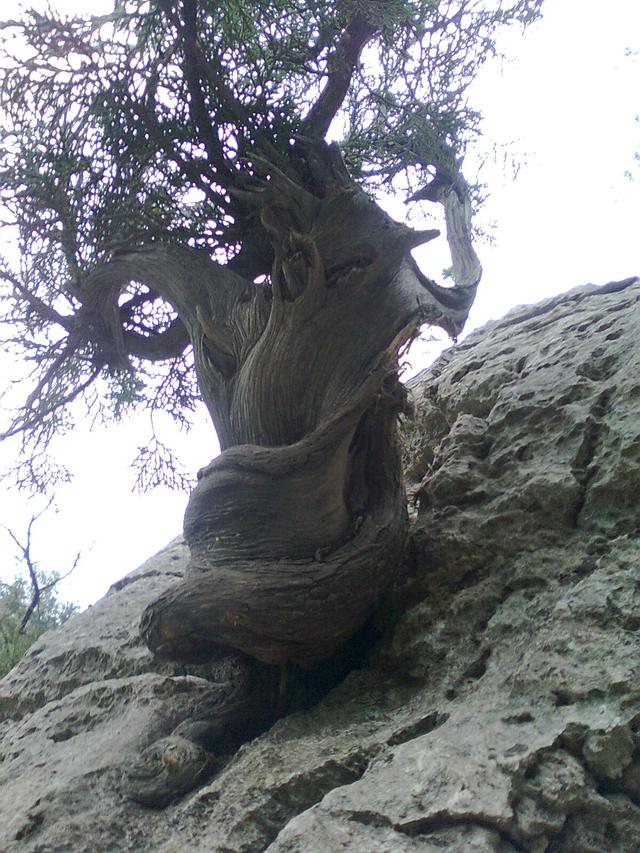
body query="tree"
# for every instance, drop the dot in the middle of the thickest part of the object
(30, 607)
(15, 600)
(186, 229)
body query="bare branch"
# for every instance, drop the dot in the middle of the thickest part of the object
(168, 344)
(37, 588)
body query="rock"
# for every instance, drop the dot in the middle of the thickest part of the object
(499, 712)
(100, 644)
(608, 754)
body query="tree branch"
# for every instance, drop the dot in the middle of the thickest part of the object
(341, 65)
(234, 310)
(46, 312)
(168, 344)
(207, 71)
(39, 416)
(36, 589)
(197, 105)
(451, 191)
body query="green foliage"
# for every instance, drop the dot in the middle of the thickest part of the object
(15, 598)
(144, 125)
(116, 134)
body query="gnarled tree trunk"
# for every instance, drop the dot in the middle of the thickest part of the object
(297, 529)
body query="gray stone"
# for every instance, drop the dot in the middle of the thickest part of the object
(500, 712)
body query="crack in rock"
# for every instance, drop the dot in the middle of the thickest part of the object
(423, 726)
(444, 820)
(583, 468)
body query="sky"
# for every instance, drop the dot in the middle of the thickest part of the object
(566, 106)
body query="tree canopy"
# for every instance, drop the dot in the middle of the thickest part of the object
(152, 124)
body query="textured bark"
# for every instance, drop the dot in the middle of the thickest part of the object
(297, 530)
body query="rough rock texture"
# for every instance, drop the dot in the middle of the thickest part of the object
(500, 712)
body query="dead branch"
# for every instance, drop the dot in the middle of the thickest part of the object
(37, 589)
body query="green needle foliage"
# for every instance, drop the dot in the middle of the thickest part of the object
(143, 125)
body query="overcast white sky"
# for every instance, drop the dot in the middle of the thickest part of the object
(567, 105)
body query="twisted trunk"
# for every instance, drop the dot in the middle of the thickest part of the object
(297, 529)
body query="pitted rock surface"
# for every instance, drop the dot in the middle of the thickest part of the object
(500, 712)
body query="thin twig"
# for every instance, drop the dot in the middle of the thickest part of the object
(36, 589)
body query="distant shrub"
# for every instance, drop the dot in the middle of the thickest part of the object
(15, 598)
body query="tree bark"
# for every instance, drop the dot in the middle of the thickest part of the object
(297, 529)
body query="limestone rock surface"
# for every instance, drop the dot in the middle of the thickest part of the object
(499, 712)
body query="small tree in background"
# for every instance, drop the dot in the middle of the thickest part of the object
(15, 601)
(30, 606)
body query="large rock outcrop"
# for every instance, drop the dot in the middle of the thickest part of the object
(499, 712)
